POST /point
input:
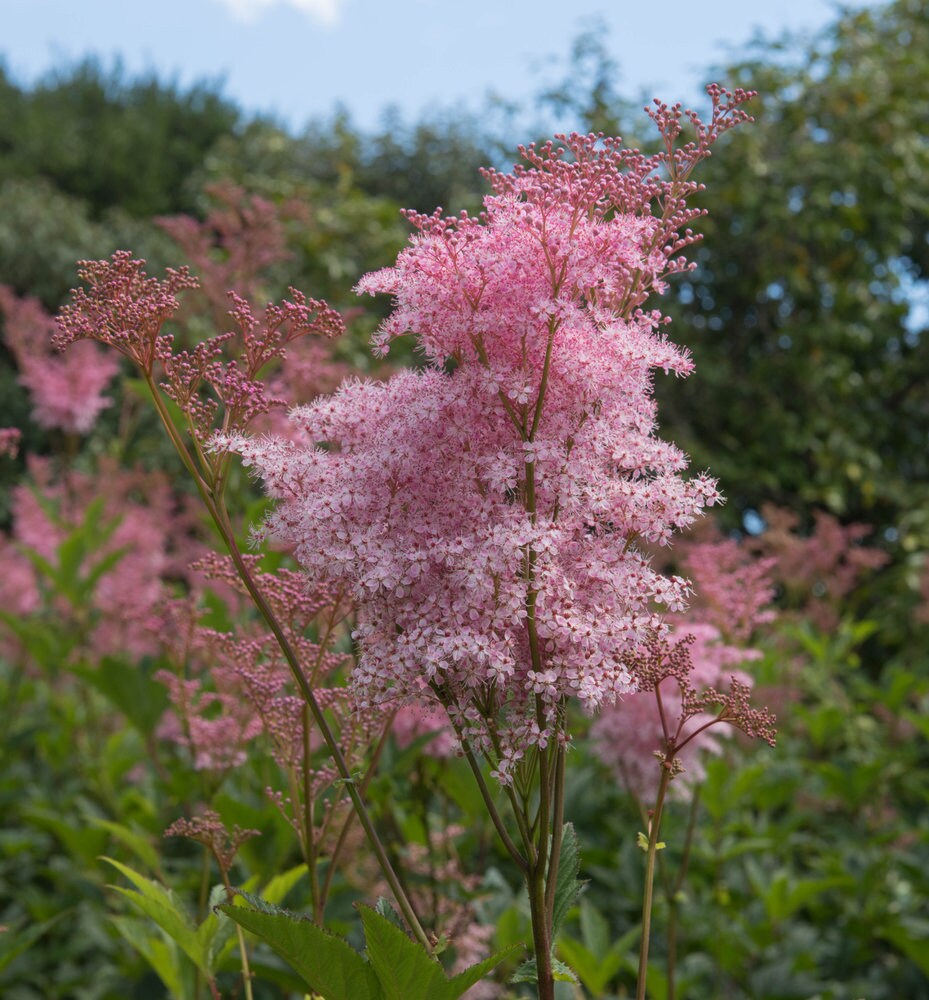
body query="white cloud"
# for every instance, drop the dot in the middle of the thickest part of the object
(326, 11)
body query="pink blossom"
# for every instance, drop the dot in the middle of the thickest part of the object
(629, 736)
(237, 243)
(150, 541)
(215, 724)
(734, 588)
(66, 391)
(208, 829)
(9, 441)
(818, 568)
(733, 593)
(487, 512)
(415, 720)
(19, 593)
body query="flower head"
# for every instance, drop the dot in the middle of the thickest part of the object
(487, 512)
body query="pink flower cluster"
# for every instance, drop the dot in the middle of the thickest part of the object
(208, 829)
(413, 721)
(734, 591)
(734, 588)
(629, 736)
(242, 237)
(487, 512)
(9, 441)
(66, 391)
(138, 527)
(228, 689)
(126, 309)
(817, 569)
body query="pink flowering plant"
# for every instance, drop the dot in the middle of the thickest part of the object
(489, 515)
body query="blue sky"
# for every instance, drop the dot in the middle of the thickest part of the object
(298, 58)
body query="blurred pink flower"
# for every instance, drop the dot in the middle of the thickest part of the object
(66, 390)
(9, 441)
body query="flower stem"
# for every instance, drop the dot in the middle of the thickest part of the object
(541, 931)
(217, 510)
(653, 833)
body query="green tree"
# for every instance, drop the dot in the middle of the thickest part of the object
(110, 140)
(812, 360)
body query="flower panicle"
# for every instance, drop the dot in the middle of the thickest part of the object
(664, 658)
(219, 383)
(208, 829)
(122, 307)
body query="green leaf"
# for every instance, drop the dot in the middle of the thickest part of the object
(161, 953)
(163, 906)
(217, 931)
(385, 908)
(597, 969)
(326, 963)
(595, 931)
(567, 886)
(528, 972)
(404, 968)
(131, 689)
(173, 923)
(585, 964)
(15, 940)
(460, 984)
(910, 942)
(277, 888)
(137, 842)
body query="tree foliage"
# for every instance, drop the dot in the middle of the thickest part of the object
(109, 140)
(812, 357)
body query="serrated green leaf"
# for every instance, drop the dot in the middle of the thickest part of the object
(460, 984)
(262, 905)
(404, 968)
(528, 972)
(562, 973)
(385, 908)
(326, 963)
(567, 886)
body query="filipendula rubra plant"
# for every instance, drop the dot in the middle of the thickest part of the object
(488, 513)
